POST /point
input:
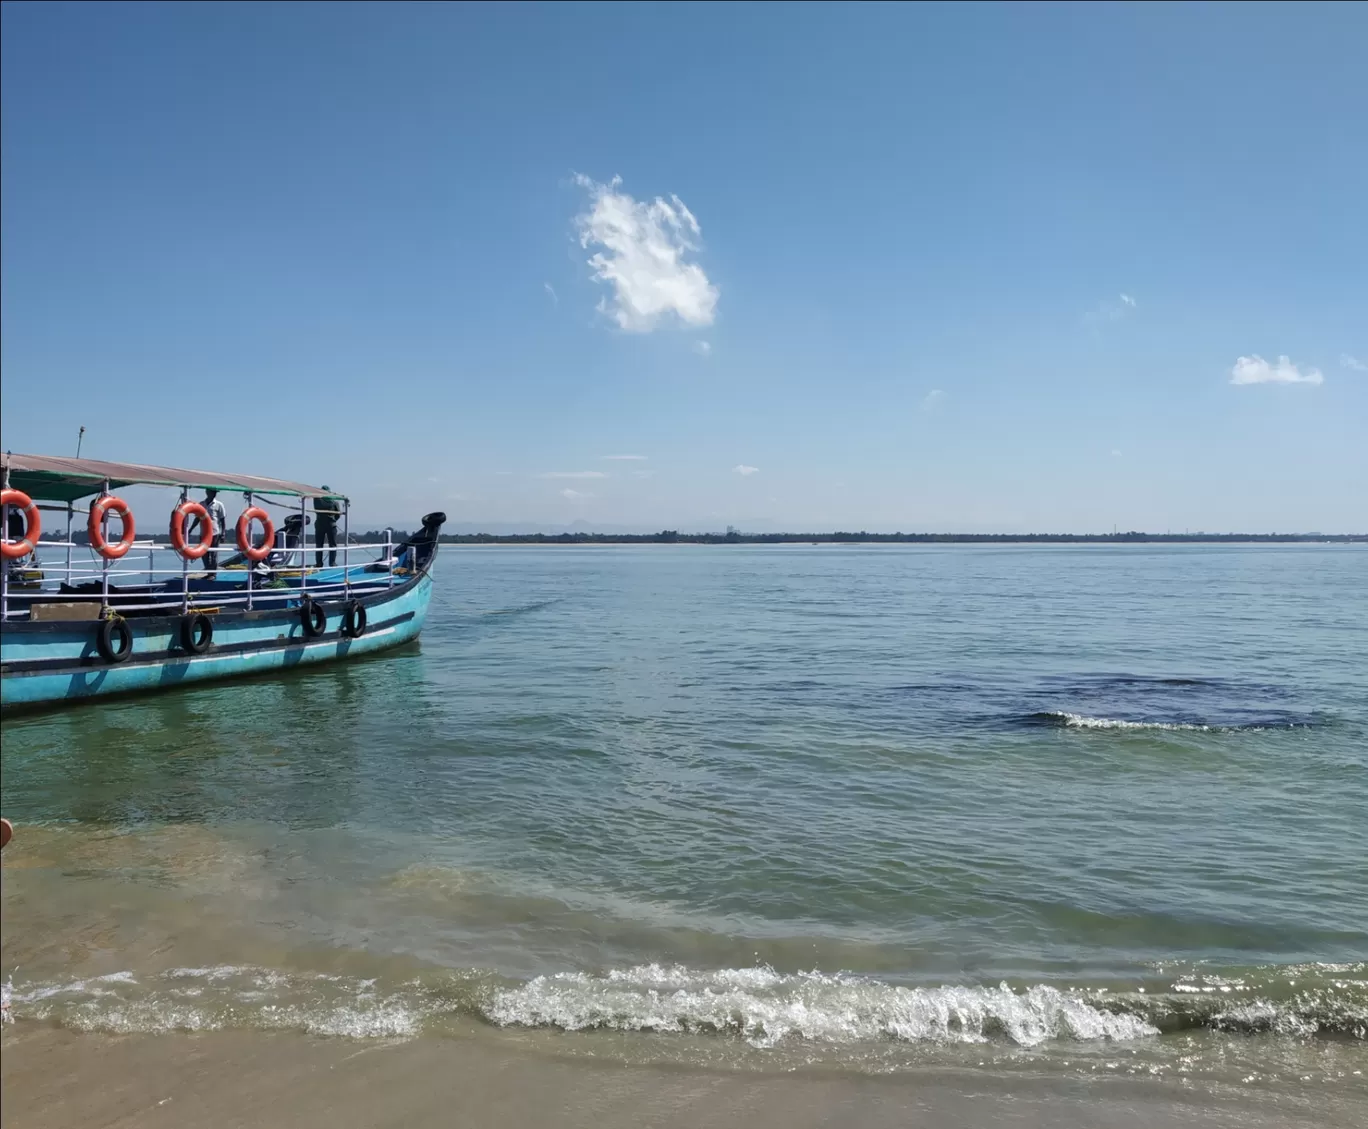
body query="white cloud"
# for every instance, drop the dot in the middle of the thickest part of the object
(573, 474)
(1256, 370)
(1110, 311)
(574, 495)
(555, 298)
(1353, 362)
(702, 348)
(642, 257)
(745, 471)
(624, 458)
(643, 474)
(933, 398)
(1116, 452)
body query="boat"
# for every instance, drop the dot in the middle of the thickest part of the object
(87, 617)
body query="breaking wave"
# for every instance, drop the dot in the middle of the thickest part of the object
(759, 1005)
(1065, 720)
(765, 1008)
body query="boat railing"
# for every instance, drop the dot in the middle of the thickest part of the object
(154, 577)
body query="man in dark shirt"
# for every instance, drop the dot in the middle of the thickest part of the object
(326, 510)
(218, 519)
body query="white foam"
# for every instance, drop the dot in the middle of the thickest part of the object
(89, 987)
(218, 972)
(1263, 1015)
(1080, 721)
(212, 999)
(758, 1004)
(764, 1008)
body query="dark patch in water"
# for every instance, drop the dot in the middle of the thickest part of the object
(1133, 701)
(1115, 701)
(523, 609)
(1060, 719)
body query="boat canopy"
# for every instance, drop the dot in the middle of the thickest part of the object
(52, 479)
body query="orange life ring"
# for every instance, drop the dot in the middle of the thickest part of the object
(33, 526)
(244, 534)
(94, 526)
(185, 510)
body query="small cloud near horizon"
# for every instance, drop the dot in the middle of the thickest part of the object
(573, 474)
(745, 471)
(555, 298)
(1110, 311)
(1349, 361)
(642, 256)
(933, 399)
(624, 458)
(1116, 452)
(574, 495)
(702, 348)
(1256, 370)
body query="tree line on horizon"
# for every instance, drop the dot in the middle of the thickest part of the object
(734, 537)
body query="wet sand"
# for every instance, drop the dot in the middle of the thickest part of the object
(57, 1079)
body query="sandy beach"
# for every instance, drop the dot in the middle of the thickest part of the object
(55, 1079)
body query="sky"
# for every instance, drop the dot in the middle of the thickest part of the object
(950, 268)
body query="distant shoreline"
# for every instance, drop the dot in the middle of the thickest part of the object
(671, 538)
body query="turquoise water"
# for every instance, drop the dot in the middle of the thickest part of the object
(855, 800)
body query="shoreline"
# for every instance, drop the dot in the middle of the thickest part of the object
(466, 540)
(60, 1079)
(554, 540)
(591, 541)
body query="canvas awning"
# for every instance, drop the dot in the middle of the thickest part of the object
(52, 479)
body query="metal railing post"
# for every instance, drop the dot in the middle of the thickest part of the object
(346, 549)
(303, 545)
(251, 569)
(5, 569)
(185, 562)
(389, 553)
(71, 510)
(104, 560)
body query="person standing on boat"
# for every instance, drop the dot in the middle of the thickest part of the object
(218, 518)
(326, 512)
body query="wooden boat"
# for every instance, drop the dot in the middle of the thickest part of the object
(78, 620)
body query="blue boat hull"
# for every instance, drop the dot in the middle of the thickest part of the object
(52, 662)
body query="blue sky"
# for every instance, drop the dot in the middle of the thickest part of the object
(961, 268)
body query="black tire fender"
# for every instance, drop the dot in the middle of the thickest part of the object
(105, 635)
(196, 632)
(354, 620)
(313, 618)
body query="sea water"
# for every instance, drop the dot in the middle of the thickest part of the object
(1073, 808)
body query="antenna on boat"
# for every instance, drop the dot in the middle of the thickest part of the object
(79, 437)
